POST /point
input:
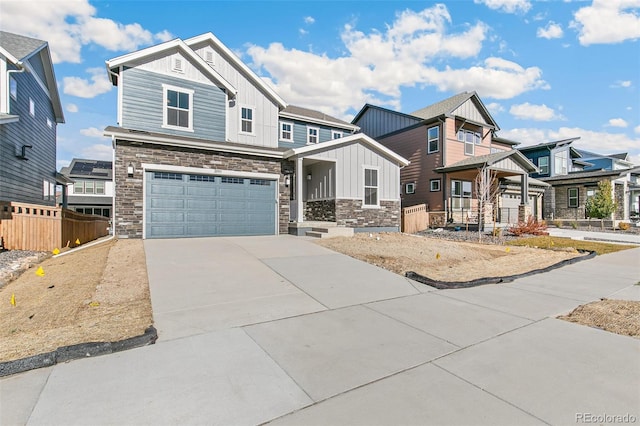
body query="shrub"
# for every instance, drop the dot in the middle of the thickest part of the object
(624, 226)
(530, 227)
(574, 225)
(558, 223)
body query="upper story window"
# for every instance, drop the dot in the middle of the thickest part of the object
(312, 134)
(370, 187)
(88, 187)
(286, 131)
(49, 123)
(246, 120)
(410, 188)
(178, 110)
(434, 185)
(13, 88)
(335, 134)
(543, 165)
(470, 139)
(433, 139)
(560, 162)
(32, 107)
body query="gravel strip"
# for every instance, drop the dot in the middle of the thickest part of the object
(14, 262)
(466, 236)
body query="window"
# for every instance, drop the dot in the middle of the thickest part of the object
(202, 178)
(312, 134)
(49, 123)
(434, 185)
(89, 187)
(460, 194)
(286, 131)
(410, 188)
(167, 175)
(433, 139)
(48, 190)
(543, 165)
(99, 187)
(232, 180)
(13, 87)
(336, 134)
(469, 143)
(246, 120)
(560, 163)
(469, 136)
(370, 187)
(178, 108)
(572, 197)
(32, 107)
(494, 150)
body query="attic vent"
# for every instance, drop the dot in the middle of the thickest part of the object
(208, 56)
(178, 64)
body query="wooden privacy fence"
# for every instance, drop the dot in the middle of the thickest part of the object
(43, 228)
(417, 218)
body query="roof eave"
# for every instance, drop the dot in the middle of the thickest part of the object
(346, 126)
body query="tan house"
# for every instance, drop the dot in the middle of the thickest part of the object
(449, 144)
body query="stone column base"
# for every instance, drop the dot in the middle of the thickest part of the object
(524, 212)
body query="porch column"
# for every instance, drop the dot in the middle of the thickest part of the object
(299, 189)
(524, 209)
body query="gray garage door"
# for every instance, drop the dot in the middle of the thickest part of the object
(188, 205)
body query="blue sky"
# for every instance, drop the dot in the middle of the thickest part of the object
(546, 70)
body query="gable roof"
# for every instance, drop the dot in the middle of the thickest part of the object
(358, 137)
(19, 49)
(209, 37)
(79, 168)
(114, 64)
(585, 174)
(489, 160)
(366, 107)
(447, 106)
(551, 145)
(297, 112)
(504, 141)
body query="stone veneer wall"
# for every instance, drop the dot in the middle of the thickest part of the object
(350, 213)
(321, 210)
(128, 215)
(619, 199)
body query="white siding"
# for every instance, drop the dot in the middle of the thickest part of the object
(470, 111)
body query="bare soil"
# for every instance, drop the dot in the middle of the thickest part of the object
(617, 316)
(97, 294)
(443, 260)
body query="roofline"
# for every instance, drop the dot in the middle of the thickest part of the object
(289, 115)
(234, 58)
(175, 43)
(4, 52)
(146, 137)
(531, 169)
(544, 144)
(367, 106)
(505, 141)
(343, 141)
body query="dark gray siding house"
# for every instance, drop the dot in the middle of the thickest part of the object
(30, 111)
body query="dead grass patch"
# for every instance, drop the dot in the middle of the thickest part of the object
(617, 316)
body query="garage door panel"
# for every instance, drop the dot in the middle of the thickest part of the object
(200, 205)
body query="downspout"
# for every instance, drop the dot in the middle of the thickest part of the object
(444, 175)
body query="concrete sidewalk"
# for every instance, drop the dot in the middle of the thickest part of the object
(618, 237)
(260, 329)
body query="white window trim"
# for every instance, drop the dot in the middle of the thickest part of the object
(317, 129)
(253, 120)
(431, 182)
(32, 107)
(545, 157)
(280, 131)
(371, 206)
(429, 151)
(336, 132)
(473, 148)
(411, 185)
(13, 84)
(165, 88)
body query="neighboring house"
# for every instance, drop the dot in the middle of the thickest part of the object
(606, 162)
(555, 158)
(566, 198)
(92, 189)
(447, 144)
(30, 111)
(202, 149)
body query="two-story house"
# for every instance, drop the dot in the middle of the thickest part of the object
(30, 111)
(205, 147)
(92, 189)
(448, 145)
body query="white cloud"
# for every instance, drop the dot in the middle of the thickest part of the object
(97, 152)
(72, 108)
(509, 6)
(309, 20)
(92, 132)
(70, 24)
(527, 111)
(637, 129)
(621, 84)
(378, 64)
(552, 30)
(494, 107)
(607, 21)
(617, 122)
(302, 31)
(84, 88)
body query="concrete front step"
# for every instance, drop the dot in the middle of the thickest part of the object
(328, 232)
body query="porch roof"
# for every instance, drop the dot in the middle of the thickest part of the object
(493, 161)
(358, 137)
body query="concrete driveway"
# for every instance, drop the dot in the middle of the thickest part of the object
(261, 329)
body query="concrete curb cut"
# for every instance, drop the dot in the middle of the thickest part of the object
(82, 350)
(446, 285)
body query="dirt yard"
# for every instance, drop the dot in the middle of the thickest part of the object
(97, 294)
(616, 316)
(443, 260)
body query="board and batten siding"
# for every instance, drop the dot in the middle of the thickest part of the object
(265, 113)
(470, 111)
(22, 180)
(376, 122)
(143, 103)
(350, 161)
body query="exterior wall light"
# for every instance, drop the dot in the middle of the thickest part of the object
(130, 170)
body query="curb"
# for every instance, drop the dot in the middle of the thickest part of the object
(82, 350)
(447, 285)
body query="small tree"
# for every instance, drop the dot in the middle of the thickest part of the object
(487, 191)
(601, 205)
